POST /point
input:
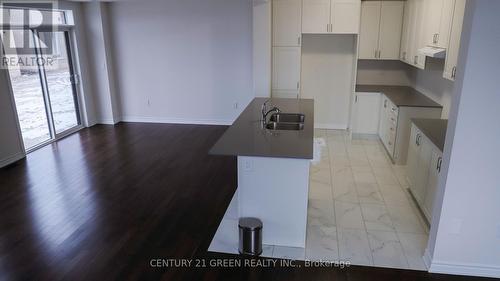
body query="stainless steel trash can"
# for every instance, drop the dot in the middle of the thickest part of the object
(250, 233)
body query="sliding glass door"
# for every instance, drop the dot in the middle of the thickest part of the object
(60, 81)
(43, 83)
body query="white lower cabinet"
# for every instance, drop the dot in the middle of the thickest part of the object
(388, 125)
(366, 113)
(423, 168)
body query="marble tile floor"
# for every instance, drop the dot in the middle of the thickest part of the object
(359, 209)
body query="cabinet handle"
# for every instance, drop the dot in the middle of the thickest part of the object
(393, 109)
(454, 72)
(415, 60)
(385, 103)
(298, 40)
(439, 163)
(417, 140)
(356, 98)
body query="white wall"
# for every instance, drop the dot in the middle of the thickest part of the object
(11, 148)
(431, 83)
(465, 235)
(100, 64)
(186, 61)
(328, 63)
(383, 72)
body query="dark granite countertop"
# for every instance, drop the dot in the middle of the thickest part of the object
(433, 129)
(400, 95)
(246, 137)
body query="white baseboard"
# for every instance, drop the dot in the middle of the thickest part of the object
(106, 122)
(465, 269)
(141, 119)
(11, 159)
(330, 126)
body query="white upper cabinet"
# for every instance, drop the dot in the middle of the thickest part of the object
(425, 23)
(450, 66)
(391, 24)
(369, 31)
(345, 16)
(287, 15)
(405, 34)
(315, 16)
(412, 34)
(330, 16)
(437, 19)
(380, 32)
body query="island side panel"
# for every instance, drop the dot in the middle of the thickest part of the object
(275, 190)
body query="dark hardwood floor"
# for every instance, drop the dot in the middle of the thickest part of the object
(104, 202)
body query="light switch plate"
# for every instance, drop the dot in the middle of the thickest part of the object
(247, 165)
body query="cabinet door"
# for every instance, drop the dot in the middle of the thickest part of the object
(424, 162)
(432, 183)
(405, 34)
(315, 16)
(345, 16)
(450, 65)
(431, 21)
(391, 22)
(369, 31)
(412, 160)
(286, 69)
(366, 113)
(445, 24)
(416, 28)
(287, 19)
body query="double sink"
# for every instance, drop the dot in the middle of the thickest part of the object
(286, 122)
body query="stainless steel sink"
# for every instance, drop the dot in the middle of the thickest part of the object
(284, 126)
(287, 117)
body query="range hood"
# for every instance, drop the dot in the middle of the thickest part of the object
(433, 52)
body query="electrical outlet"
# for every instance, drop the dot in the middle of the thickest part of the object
(235, 105)
(248, 165)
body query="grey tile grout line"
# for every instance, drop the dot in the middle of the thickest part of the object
(333, 199)
(360, 209)
(398, 233)
(385, 206)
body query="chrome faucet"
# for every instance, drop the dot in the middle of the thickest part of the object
(266, 112)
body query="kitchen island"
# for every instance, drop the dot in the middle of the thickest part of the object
(273, 168)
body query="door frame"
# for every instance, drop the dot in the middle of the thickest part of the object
(70, 39)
